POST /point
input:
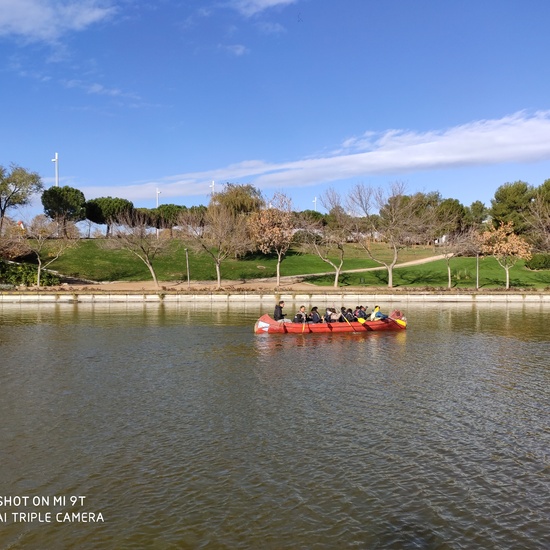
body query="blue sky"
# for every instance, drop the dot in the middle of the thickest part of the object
(288, 95)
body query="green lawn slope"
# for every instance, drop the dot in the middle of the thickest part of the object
(91, 262)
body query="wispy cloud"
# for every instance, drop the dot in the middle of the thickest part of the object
(520, 138)
(270, 28)
(252, 7)
(98, 89)
(48, 20)
(235, 49)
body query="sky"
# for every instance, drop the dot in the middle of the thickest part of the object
(292, 96)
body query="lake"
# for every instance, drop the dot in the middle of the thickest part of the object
(129, 426)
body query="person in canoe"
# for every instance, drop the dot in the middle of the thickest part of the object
(314, 315)
(377, 315)
(301, 316)
(278, 314)
(348, 315)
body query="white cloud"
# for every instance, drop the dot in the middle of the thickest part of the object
(48, 20)
(252, 7)
(271, 28)
(98, 89)
(235, 49)
(518, 138)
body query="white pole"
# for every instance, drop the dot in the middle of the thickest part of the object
(187, 263)
(158, 193)
(315, 204)
(56, 160)
(477, 271)
(212, 187)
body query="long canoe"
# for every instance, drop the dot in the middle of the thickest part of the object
(266, 324)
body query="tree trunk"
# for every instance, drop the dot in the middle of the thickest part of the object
(278, 270)
(391, 266)
(153, 274)
(218, 275)
(38, 271)
(507, 269)
(336, 277)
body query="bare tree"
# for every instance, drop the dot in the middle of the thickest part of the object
(272, 228)
(328, 240)
(457, 244)
(391, 217)
(133, 233)
(42, 241)
(12, 240)
(217, 231)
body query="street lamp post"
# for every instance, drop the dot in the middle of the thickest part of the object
(56, 160)
(158, 193)
(187, 264)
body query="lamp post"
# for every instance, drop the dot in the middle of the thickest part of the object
(187, 264)
(158, 193)
(56, 160)
(477, 271)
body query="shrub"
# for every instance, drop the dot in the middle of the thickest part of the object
(538, 261)
(25, 274)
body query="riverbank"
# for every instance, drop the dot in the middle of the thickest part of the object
(291, 290)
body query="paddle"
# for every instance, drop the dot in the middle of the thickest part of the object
(347, 321)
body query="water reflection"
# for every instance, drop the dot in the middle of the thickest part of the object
(187, 430)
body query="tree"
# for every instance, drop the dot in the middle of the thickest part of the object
(167, 216)
(216, 231)
(239, 199)
(41, 240)
(64, 204)
(16, 189)
(328, 240)
(511, 204)
(313, 215)
(132, 233)
(476, 214)
(107, 210)
(13, 242)
(449, 222)
(505, 246)
(400, 221)
(450, 217)
(272, 228)
(456, 244)
(538, 219)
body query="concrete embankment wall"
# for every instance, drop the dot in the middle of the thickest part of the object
(318, 298)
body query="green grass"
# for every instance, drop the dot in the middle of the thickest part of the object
(89, 261)
(434, 276)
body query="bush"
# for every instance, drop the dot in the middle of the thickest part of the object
(25, 274)
(538, 261)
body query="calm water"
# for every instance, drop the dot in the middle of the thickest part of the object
(183, 429)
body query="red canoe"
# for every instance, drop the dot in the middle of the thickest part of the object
(266, 324)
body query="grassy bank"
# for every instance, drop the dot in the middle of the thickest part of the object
(89, 261)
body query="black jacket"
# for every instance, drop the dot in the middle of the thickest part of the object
(278, 313)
